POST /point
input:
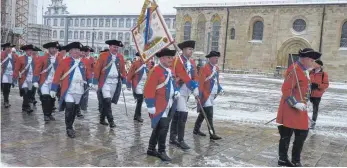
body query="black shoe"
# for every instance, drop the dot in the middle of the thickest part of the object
(173, 141)
(183, 145)
(80, 115)
(29, 110)
(139, 119)
(313, 125)
(199, 133)
(151, 152)
(46, 118)
(163, 156)
(54, 108)
(112, 124)
(51, 118)
(285, 162)
(7, 105)
(297, 164)
(103, 122)
(215, 137)
(70, 133)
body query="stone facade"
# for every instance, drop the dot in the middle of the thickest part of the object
(279, 37)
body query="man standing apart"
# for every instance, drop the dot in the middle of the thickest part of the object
(160, 92)
(292, 111)
(110, 75)
(185, 71)
(320, 83)
(136, 79)
(209, 89)
(8, 62)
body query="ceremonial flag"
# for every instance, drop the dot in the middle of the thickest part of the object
(151, 33)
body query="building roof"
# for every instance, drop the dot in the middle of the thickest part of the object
(264, 3)
(99, 15)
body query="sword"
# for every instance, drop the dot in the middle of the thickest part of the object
(204, 114)
(270, 121)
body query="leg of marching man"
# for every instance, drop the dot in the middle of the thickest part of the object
(8, 61)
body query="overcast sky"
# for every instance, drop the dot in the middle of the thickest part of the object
(122, 6)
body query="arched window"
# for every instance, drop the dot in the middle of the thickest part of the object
(120, 36)
(89, 22)
(201, 31)
(128, 23)
(187, 30)
(81, 35)
(258, 28)
(127, 36)
(101, 22)
(55, 22)
(48, 22)
(95, 22)
(107, 23)
(343, 42)
(76, 22)
(62, 22)
(54, 34)
(121, 22)
(70, 22)
(215, 35)
(114, 35)
(75, 34)
(107, 35)
(70, 35)
(61, 33)
(100, 36)
(232, 33)
(88, 35)
(114, 22)
(83, 22)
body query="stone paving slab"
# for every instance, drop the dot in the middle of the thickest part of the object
(26, 140)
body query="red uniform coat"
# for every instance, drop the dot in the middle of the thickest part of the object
(42, 64)
(182, 75)
(21, 63)
(322, 81)
(287, 114)
(91, 62)
(63, 67)
(134, 78)
(205, 87)
(4, 65)
(157, 98)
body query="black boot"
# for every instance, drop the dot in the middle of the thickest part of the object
(51, 118)
(46, 118)
(297, 164)
(180, 131)
(103, 120)
(112, 124)
(107, 111)
(137, 116)
(6, 87)
(70, 114)
(300, 137)
(78, 112)
(163, 128)
(285, 163)
(197, 125)
(283, 147)
(153, 140)
(71, 133)
(164, 157)
(215, 137)
(173, 129)
(199, 133)
(46, 106)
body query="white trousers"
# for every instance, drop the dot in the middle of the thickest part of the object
(182, 103)
(108, 90)
(73, 98)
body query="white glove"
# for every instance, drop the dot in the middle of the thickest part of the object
(91, 85)
(151, 110)
(196, 92)
(301, 106)
(52, 93)
(177, 94)
(124, 86)
(36, 85)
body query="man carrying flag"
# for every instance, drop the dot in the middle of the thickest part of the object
(110, 75)
(8, 62)
(159, 92)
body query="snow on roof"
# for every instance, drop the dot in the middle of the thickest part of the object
(263, 3)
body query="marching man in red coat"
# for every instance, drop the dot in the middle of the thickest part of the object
(110, 75)
(8, 62)
(209, 88)
(292, 111)
(185, 70)
(24, 72)
(36, 56)
(136, 79)
(160, 91)
(74, 76)
(43, 77)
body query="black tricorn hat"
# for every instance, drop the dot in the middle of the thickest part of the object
(310, 53)
(54, 44)
(319, 62)
(114, 42)
(7, 45)
(72, 45)
(105, 50)
(37, 48)
(165, 52)
(27, 47)
(185, 44)
(213, 54)
(61, 48)
(87, 48)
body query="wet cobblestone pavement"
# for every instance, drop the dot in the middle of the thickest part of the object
(26, 140)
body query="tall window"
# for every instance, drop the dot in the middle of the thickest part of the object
(127, 36)
(134, 22)
(232, 33)
(70, 22)
(168, 23)
(70, 35)
(121, 22)
(82, 35)
(89, 22)
(62, 21)
(201, 29)
(101, 22)
(88, 35)
(61, 33)
(83, 22)
(55, 22)
(343, 42)
(76, 22)
(258, 29)
(187, 30)
(75, 34)
(100, 36)
(128, 23)
(48, 22)
(215, 35)
(95, 22)
(120, 36)
(114, 22)
(113, 35)
(54, 34)
(107, 23)
(107, 35)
